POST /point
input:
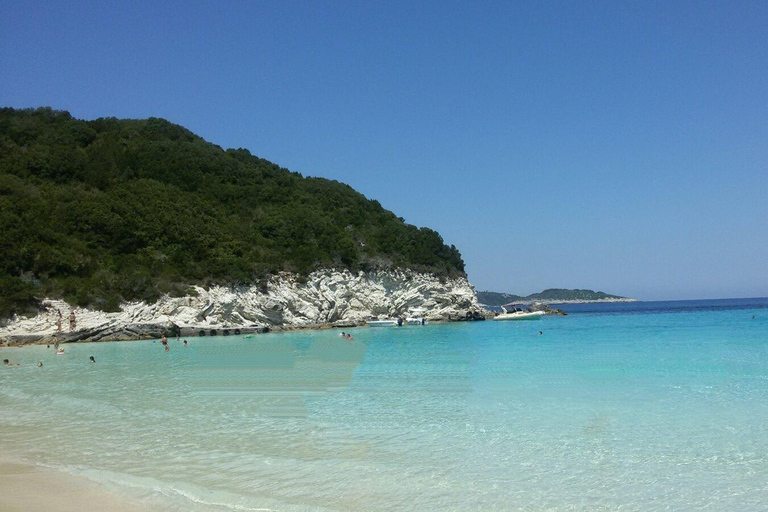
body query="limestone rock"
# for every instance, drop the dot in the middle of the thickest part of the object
(327, 297)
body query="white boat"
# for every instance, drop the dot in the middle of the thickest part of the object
(518, 312)
(416, 317)
(387, 322)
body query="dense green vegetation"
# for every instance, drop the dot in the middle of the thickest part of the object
(98, 212)
(549, 295)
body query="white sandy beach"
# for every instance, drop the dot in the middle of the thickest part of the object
(26, 488)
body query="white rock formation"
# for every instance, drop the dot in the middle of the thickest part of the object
(326, 297)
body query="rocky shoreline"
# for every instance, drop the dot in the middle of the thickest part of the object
(325, 299)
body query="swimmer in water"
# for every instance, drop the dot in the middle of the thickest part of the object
(93, 359)
(40, 364)
(540, 333)
(186, 344)
(8, 363)
(60, 351)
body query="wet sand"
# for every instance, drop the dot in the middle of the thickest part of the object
(25, 488)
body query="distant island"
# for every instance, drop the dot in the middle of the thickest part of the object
(550, 296)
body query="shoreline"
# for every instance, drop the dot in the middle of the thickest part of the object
(26, 486)
(80, 336)
(324, 300)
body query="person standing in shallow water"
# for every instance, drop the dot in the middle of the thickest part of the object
(164, 341)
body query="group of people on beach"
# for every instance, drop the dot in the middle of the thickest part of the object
(72, 320)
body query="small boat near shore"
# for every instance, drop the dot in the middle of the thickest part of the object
(518, 312)
(385, 322)
(416, 317)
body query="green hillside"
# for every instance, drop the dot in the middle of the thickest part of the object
(549, 295)
(97, 212)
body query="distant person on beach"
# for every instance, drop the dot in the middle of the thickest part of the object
(58, 324)
(72, 321)
(93, 359)
(8, 363)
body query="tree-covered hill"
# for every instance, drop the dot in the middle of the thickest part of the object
(98, 212)
(549, 295)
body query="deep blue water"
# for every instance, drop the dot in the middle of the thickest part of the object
(667, 306)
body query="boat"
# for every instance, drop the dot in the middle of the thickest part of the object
(518, 312)
(382, 323)
(385, 322)
(416, 317)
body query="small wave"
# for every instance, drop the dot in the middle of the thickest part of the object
(149, 489)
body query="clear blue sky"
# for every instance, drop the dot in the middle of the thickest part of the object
(619, 146)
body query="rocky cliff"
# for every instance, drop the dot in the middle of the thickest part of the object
(325, 298)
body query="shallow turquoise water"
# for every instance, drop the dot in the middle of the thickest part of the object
(613, 406)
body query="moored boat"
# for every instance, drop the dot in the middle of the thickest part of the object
(385, 322)
(518, 312)
(416, 317)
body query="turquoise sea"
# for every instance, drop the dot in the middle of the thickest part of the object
(646, 406)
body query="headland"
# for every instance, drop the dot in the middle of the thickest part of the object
(333, 298)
